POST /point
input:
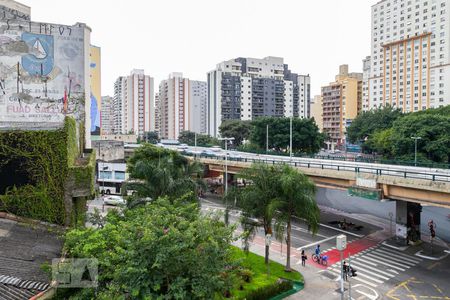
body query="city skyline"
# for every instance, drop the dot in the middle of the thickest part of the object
(204, 41)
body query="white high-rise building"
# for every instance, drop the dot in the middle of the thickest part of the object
(198, 92)
(182, 106)
(247, 88)
(107, 116)
(410, 54)
(365, 84)
(134, 104)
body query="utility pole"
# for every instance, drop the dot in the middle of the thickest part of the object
(290, 139)
(267, 138)
(415, 138)
(349, 283)
(226, 175)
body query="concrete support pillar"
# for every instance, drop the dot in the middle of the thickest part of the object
(408, 221)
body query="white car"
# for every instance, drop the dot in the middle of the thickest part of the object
(114, 200)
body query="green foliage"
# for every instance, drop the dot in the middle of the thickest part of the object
(203, 140)
(389, 134)
(157, 250)
(306, 137)
(34, 202)
(156, 172)
(296, 199)
(261, 286)
(45, 156)
(151, 137)
(368, 122)
(238, 129)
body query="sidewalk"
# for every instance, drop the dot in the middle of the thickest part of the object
(316, 287)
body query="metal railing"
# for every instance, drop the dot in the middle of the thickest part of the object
(439, 177)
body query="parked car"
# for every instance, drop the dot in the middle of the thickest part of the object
(114, 200)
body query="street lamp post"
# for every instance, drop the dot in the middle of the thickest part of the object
(267, 138)
(290, 139)
(415, 138)
(226, 175)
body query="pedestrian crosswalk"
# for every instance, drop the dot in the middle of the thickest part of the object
(377, 264)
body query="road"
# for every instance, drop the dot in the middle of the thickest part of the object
(383, 272)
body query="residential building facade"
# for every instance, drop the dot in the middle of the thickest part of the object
(342, 101)
(317, 111)
(134, 104)
(410, 54)
(107, 116)
(182, 105)
(157, 115)
(247, 88)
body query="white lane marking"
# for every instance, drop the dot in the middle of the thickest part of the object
(356, 278)
(316, 243)
(407, 257)
(361, 268)
(340, 230)
(388, 260)
(394, 259)
(297, 228)
(383, 263)
(361, 265)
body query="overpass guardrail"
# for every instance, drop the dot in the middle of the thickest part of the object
(438, 177)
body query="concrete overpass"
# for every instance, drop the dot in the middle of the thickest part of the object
(383, 182)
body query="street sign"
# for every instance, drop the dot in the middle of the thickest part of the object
(268, 239)
(341, 242)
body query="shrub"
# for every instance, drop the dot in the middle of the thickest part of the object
(270, 291)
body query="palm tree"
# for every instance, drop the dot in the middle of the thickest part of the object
(156, 172)
(256, 199)
(297, 198)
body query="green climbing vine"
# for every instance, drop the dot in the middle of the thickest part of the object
(46, 157)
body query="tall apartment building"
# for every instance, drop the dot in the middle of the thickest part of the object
(365, 83)
(341, 100)
(247, 88)
(410, 54)
(182, 106)
(107, 116)
(198, 93)
(134, 104)
(157, 115)
(317, 111)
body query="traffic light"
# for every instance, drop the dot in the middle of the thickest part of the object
(432, 231)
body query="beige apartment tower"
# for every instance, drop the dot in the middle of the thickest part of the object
(342, 101)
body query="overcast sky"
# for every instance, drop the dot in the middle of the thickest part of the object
(192, 36)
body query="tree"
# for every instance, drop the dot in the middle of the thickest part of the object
(256, 199)
(156, 172)
(151, 137)
(238, 129)
(297, 198)
(434, 130)
(306, 137)
(157, 251)
(368, 122)
(203, 140)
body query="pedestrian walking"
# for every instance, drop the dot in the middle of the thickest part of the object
(346, 269)
(304, 258)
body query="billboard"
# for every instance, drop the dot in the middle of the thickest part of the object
(42, 73)
(96, 92)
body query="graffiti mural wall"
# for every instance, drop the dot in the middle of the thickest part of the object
(42, 72)
(96, 90)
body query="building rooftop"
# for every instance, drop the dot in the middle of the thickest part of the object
(23, 250)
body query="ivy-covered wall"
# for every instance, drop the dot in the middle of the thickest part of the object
(39, 164)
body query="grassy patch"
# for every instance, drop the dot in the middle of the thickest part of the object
(256, 264)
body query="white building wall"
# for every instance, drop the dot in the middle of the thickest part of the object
(304, 96)
(246, 98)
(288, 99)
(418, 33)
(198, 106)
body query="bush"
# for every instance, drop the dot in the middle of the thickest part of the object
(270, 291)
